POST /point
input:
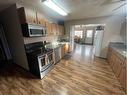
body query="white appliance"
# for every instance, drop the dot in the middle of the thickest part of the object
(98, 42)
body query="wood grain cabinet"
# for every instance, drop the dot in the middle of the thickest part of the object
(118, 64)
(27, 16)
(122, 77)
(61, 30)
(66, 48)
(49, 28)
(40, 19)
(57, 30)
(53, 27)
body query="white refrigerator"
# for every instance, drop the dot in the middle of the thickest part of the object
(98, 39)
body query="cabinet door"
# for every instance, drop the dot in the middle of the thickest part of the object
(122, 77)
(60, 30)
(27, 16)
(53, 27)
(40, 19)
(30, 16)
(62, 51)
(57, 29)
(48, 27)
(63, 30)
(109, 55)
(117, 66)
(66, 48)
(113, 59)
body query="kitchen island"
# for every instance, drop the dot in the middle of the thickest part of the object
(117, 54)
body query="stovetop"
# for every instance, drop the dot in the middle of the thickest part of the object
(37, 49)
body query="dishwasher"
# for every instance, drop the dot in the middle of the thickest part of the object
(57, 54)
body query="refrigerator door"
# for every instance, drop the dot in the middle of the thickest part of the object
(98, 42)
(2, 53)
(4, 45)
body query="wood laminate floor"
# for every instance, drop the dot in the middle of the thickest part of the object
(79, 74)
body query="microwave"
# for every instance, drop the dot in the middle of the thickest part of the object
(33, 30)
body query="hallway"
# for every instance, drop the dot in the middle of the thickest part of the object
(83, 53)
(79, 75)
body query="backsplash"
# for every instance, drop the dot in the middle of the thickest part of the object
(38, 39)
(63, 39)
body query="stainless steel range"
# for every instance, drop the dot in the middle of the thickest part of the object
(40, 59)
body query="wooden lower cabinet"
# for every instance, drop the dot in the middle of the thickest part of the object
(63, 51)
(118, 64)
(66, 48)
(122, 77)
(117, 67)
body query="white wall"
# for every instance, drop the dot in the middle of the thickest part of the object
(114, 31)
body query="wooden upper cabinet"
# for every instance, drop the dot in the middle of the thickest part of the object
(27, 16)
(53, 27)
(32, 17)
(40, 19)
(49, 28)
(57, 29)
(61, 30)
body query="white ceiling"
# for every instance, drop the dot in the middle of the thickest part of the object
(77, 9)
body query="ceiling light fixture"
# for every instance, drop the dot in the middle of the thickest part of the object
(54, 7)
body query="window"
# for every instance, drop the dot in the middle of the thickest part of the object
(77, 26)
(79, 33)
(89, 33)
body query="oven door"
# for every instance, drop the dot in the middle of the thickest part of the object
(50, 58)
(42, 61)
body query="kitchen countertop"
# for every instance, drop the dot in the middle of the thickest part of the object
(56, 45)
(121, 48)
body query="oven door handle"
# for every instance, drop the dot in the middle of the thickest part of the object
(39, 61)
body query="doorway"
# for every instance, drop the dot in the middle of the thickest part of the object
(87, 36)
(84, 34)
